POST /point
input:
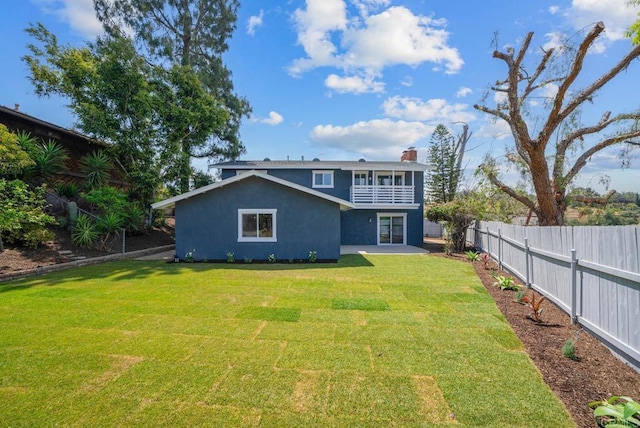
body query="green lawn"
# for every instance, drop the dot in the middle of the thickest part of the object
(375, 341)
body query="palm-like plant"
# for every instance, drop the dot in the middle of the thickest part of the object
(50, 158)
(84, 232)
(96, 167)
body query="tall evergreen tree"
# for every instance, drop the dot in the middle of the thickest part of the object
(441, 183)
(192, 34)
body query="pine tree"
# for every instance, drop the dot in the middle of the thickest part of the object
(441, 183)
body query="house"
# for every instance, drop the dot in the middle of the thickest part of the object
(76, 144)
(289, 208)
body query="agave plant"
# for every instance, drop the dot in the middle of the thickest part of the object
(95, 166)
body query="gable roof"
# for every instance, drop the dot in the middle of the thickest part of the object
(317, 164)
(344, 205)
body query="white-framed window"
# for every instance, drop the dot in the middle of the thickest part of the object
(257, 225)
(322, 179)
(360, 178)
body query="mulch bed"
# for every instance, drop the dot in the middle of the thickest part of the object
(595, 375)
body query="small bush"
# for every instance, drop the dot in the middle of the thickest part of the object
(617, 411)
(313, 256)
(230, 257)
(569, 349)
(272, 258)
(67, 190)
(85, 232)
(472, 256)
(505, 283)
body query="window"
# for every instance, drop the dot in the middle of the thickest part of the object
(322, 179)
(257, 225)
(360, 179)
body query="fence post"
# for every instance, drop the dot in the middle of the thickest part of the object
(500, 248)
(574, 287)
(123, 243)
(488, 242)
(526, 262)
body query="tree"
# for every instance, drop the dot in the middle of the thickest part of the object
(192, 34)
(113, 93)
(634, 29)
(533, 152)
(442, 181)
(13, 158)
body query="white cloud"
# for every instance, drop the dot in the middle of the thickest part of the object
(617, 15)
(554, 9)
(555, 41)
(78, 14)
(381, 139)
(463, 92)
(367, 43)
(407, 81)
(273, 119)
(254, 21)
(433, 110)
(354, 84)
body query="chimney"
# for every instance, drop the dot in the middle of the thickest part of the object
(409, 155)
(16, 107)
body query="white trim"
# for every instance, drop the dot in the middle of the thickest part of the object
(258, 212)
(322, 172)
(344, 205)
(360, 172)
(386, 206)
(404, 227)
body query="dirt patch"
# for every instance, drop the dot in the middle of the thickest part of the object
(595, 375)
(15, 258)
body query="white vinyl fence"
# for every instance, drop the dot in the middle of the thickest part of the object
(591, 272)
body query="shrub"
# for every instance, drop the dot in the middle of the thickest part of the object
(22, 216)
(189, 256)
(486, 259)
(569, 349)
(534, 306)
(505, 283)
(272, 258)
(313, 256)
(50, 158)
(68, 190)
(95, 166)
(85, 232)
(617, 411)
(472, 256)
(230, 257)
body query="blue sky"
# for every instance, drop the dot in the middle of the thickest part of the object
(345, 79)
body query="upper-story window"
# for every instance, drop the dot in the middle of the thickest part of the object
(323, 179)
(360, 179)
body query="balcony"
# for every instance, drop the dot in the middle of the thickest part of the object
(382, 194)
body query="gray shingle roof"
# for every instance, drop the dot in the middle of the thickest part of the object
(315, 164)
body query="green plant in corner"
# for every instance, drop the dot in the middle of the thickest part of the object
(472, 256)
(230, 257)
(519, 296)
(272, 258)
(313, 256)
(189, 256)
(617, 411)
(505, 283)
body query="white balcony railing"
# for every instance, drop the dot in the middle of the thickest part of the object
(382, 194)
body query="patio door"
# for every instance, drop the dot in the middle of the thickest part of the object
(392, 229)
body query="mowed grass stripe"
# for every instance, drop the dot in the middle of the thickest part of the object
(369, 341)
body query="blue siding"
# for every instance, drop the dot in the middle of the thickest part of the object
(354, 225)
(356, 229)
(208, 223)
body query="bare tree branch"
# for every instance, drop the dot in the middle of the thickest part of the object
(582, 160)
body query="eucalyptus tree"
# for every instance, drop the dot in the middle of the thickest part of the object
(192, 34)
(550, 150)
